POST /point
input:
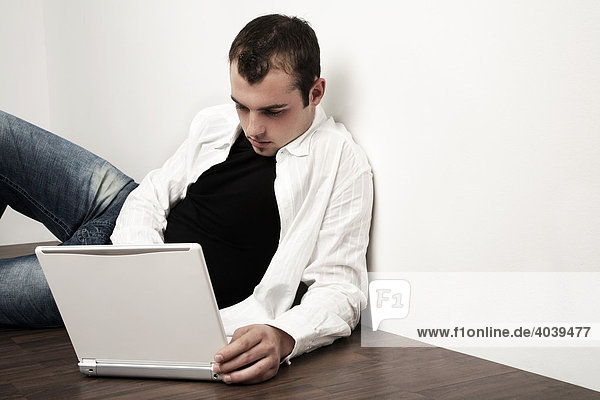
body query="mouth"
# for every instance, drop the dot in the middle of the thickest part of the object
(258, 143)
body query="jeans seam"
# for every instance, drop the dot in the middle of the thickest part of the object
(43, 209)
(102, 223)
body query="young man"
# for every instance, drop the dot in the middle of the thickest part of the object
(274, 191)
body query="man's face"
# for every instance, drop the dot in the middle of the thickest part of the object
(271, 111)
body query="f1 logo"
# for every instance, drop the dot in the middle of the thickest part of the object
(390, 299)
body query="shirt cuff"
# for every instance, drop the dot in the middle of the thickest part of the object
(298, 329)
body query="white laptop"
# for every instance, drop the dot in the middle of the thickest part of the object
(137, 311)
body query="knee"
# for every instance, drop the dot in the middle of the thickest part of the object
(107, 181)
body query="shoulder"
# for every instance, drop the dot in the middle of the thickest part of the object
(331, 139)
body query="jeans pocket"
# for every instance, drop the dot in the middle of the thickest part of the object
(95, 233)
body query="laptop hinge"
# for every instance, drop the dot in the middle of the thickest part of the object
(93, 367)
(87, 366)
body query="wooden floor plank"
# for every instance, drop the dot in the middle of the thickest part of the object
(522, 385)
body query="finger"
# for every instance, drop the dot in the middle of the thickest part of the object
(241, 331)
(260, 371)
(238, 346)
(236, 334)
(246, 358)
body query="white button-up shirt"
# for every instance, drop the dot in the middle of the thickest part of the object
(324, 192)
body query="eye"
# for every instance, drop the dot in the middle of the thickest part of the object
(273, 113)
(241, 108)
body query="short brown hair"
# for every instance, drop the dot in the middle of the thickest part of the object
(278, 41)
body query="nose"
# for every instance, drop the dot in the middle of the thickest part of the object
(254, 126)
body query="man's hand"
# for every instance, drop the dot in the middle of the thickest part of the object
(254, 354)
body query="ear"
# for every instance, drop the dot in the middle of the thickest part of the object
(317, 91)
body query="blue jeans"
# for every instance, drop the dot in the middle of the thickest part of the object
(74, 193)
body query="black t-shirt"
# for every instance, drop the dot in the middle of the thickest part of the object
(232, 212)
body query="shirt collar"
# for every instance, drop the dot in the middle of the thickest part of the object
(300, 146)
(228, 140)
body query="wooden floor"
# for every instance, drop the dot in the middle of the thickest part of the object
(16, 250)
(41, 364)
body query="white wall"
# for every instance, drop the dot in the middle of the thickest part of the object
(480, 118)
(485, 118)
(23, 92)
